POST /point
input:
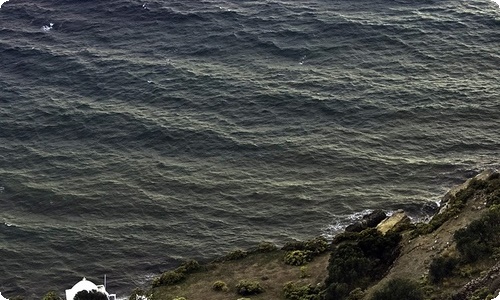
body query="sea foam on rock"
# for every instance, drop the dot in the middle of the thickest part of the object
(369, 221)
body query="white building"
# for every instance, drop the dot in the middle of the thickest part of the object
(86, 285)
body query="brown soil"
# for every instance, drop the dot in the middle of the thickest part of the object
(266, 268)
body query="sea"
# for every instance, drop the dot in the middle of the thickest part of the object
(135, 135)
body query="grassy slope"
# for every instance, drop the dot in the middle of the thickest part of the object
(266, 268)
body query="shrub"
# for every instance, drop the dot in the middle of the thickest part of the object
(293, 291)
(264, 247)
(397, 289)
(169, 278)
(356, 294)
(220, 286)
(245, 287)
(362, 258)
(92, 295)
(52, 295)
(348, 264)
(316, 246)
(188, 267)
(235, 255)
(441, 267)
(177, 275)
(482, 294)
(480, 237)
(137, 293)
(297, 257)
(303, 272)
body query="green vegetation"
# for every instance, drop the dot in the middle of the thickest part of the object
(482, 294)
(220, 286)
(265, 247)
(398, 289)
(360, 260)
(303, 272)
(300, 253)
(235, 255)
(177, 275)
(481, 237)
(137, 292)
(169, 278)
(441, 267)
(356, 294)
(92, 295)
(297, 257)
(294, 291)
(247, 287)
(316, 246)
(51, 295)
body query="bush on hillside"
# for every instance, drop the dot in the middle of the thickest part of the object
(441, 267)
(297, 257)
(359, 260)
(316, 246)
(235, 255)
(398, 289)
(137, 293)
(92, 295)
(189, 267)
(246, 287)
(52, 295)
(479, 239)
(220, 286)
(177, 275)
(169, 278)
(265, 247)
(356, 294)
(293, 291)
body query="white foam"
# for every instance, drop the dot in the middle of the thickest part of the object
(341, 222)
(48, 28)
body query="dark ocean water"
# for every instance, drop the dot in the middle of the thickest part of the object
(135, 135)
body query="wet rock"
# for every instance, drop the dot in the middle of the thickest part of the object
(397, 219)
(368, 221)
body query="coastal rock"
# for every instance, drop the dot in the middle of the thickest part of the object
(370, 220)
(399, 218)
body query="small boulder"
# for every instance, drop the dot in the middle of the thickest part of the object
(397, 219)
(370, 220)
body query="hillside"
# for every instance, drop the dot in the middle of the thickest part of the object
(453, 256)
